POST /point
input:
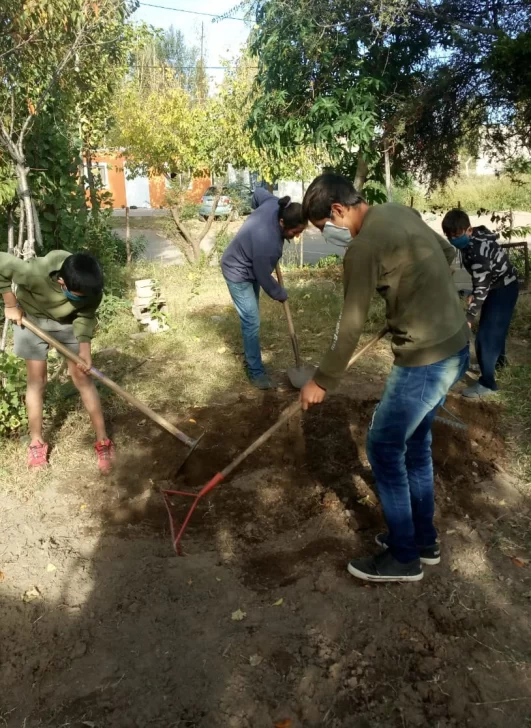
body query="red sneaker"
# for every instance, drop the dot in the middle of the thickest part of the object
(38, 456)
(105, 454)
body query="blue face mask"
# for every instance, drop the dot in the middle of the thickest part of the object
(72, 296)
(461, 242)
(335, 235)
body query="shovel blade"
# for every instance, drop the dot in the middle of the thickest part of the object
(189, 451)
(299, 376)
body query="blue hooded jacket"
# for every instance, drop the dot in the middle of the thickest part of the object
(257, 247)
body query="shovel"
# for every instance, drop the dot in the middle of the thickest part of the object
(176, 532)
(298, 375)
(158, 419)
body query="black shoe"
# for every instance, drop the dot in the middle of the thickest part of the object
(263, 382)
(384, 567)
(429, 555)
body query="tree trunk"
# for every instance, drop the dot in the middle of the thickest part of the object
(11, 251)
(388, 180)
(10, 233)
(21, 223)
(361, 173)
(192, 248)
(128, 238)
(94, 201)
(28, 250)
(37, 224)
(301, 259)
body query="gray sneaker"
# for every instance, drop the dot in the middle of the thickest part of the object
(476, 391)
(263, 382)
(384, 567)
(429, 555)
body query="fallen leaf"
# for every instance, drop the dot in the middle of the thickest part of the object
(194, 422)
(217, 578)
(89, 724)
(283, 723)
(141, 423)
(222, 350)
(31, 594)
(519, 562)
(278, 603)
(256, 660)
(238, 615)
(451, 532)
(50, 568)
(2, 576)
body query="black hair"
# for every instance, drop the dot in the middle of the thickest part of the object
(455, 223)
(290, 213)
(326, 190)
(82, 273)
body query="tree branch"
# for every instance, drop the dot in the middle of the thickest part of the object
(180, 227)
(211, 218)
(495, 32)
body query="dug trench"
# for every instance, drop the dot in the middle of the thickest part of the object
(260, 624)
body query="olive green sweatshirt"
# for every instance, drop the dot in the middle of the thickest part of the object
(398, 255)
(40, 295)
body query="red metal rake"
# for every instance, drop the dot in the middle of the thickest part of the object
(176, 532)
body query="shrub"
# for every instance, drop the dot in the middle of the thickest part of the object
(110, 307)
(13, 415)
(473, 193)
(328, 261)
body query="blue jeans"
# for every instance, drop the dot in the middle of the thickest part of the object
(399, 450)
(246, 297)
(496, 315)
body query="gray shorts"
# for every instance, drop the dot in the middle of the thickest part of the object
(30, 347)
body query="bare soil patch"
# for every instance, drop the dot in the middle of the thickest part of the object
(103, 626)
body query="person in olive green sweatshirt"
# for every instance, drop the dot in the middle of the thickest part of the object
(60, 293)
(392, 251)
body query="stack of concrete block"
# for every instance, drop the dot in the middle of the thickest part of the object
(146, 302)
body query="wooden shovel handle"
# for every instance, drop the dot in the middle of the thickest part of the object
(291, 327)
(66, 352)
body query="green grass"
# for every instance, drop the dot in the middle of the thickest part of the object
(473, 193)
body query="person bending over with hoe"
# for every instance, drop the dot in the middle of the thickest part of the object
(60, 293)
(495, 293)
(248, 264)
(394, 252)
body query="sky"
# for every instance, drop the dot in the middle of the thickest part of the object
(223, 40)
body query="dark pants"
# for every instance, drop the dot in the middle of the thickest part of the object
(496, 315)
(399, 450)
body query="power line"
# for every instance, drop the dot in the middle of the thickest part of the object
(192, 12)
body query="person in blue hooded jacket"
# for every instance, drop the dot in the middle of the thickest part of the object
(248, 264)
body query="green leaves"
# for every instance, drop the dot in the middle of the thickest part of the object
(12, 404)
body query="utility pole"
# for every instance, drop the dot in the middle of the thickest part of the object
(201, 79)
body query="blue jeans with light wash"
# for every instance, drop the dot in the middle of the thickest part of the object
(399, 450)
(246, 297)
